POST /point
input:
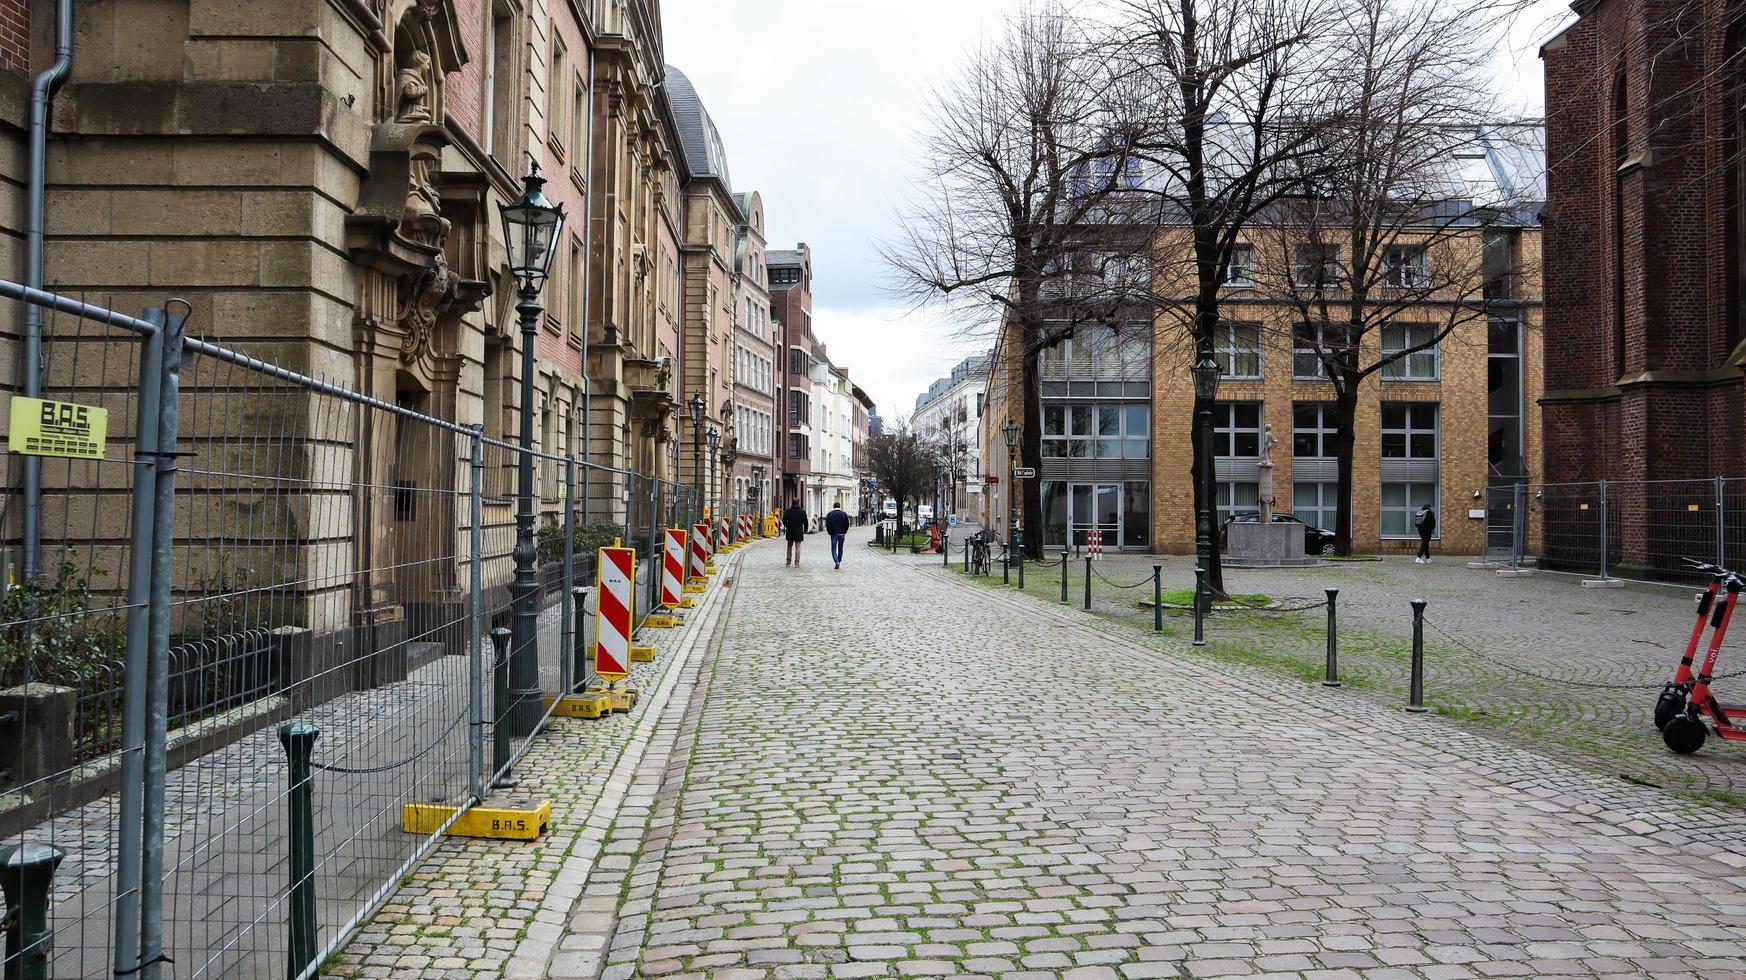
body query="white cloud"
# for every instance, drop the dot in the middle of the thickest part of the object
(894, 353)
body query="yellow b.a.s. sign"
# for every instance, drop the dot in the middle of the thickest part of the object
(48, 428)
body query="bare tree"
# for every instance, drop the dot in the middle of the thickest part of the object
(1398, 233)
(902, 462)
(1237, 93)
(1026, 152)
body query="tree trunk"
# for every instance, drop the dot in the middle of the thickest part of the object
(1031, 455)
(1345, 438)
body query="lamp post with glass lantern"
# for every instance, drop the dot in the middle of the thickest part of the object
(697, 409)
(714, 437)
(1206, 388)
(531, 228)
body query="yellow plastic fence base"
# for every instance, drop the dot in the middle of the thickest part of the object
(659, 621)
(709, 569)
(590, 705)
(686, 602)
(642, 655)
(695, 588)
(622, 697)
(493, 822)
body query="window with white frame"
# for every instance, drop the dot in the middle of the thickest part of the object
(1409, 430)
(1102, 431)
(1314, 346)
(1098, 351)
(1400, 504)
(1237, 496)
(1313, 425)
(1237, 430)
(1240, 270)
(1420, 365)
(1237, 349)
(1406, 267)
(1317, 264)
(1315, 503)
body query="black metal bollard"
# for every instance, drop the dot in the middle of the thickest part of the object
(579, 651)
(966, 556)
(26, 873)
(1417, 703)
(299, 740)
(1088, 583)
(1157, 598)
(945, 550)
(1018, 538)
(1199, 607)
(501, 703)
(1006, 565)
(1065, 568)
(1332, 677)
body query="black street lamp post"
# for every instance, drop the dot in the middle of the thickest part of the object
(1206, 388)
(531, 228)
(714, 438)
(697, 409)
(1015, 538)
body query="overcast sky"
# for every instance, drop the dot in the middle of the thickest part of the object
(818, 103)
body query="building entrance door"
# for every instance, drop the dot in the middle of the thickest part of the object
(1095, 506)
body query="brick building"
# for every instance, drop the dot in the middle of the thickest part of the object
(1645, 257)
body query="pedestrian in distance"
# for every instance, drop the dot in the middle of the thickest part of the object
(836, 525)
(1426, 522)
(794, 528)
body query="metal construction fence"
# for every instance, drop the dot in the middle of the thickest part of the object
(1623, 529)
(262, 597)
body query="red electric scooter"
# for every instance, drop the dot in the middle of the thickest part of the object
(1687, 697)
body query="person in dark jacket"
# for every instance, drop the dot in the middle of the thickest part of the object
(1426, 522)
(794, 527)
(837, 525)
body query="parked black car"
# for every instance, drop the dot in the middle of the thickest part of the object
(1316, 540)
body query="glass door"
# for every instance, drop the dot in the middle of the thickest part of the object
(1095, 506)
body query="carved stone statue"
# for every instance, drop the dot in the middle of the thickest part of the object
(1265, 485)
(412, 90)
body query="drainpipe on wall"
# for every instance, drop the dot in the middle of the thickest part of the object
(42, 90)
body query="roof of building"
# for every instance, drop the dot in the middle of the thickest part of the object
(971, 368)
(705, 154)
(784, 257)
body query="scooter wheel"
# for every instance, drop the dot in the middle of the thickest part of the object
(1684, 734)
(1671, 703)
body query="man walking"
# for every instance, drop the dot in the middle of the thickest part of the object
(837, 525)
(794, 527)
(1426, 522)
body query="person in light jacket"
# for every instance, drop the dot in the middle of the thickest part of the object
(1426, 522)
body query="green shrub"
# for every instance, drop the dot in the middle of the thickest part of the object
(50, 631)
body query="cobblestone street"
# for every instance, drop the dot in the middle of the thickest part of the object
(886, 772)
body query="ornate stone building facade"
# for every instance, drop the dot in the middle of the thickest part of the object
(753, 421)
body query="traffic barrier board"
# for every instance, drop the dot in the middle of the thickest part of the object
(673, 569)
(612, 622)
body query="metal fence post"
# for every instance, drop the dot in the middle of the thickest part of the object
(1088, 582)
(566, 600)
(1199, 606)
(1157, 598)
(1066, 566)
(1332, 677)
(1416, 704)
(654, 556)
(1018, 538)
(26, 873)
(1603, 530)
(299, 741)
(476, 626)
(130, 822)
(1721, 523)
(1006, 564)
(502, 705)
(157, 715)
(1517, 524)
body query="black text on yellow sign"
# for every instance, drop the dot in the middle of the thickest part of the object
(45, 428)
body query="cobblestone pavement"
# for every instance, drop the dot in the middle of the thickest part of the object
(1517, 658)
(886, 772)
(484, 908)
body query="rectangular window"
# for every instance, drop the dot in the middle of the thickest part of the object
(1422, 365)
(557, 82)
(1315, 503)
(1136, 514)
(1237, 349)
(1103, 431)
(1316, 346)
(796, 361)
(1504, 402)
(1240, 270)
(1237, 496)
(1317, 266)
(575, 292)
(1409, 430)
(1313, 425)
(1400, 504)
(1406, 267)
(579, 127)
(1237, 430)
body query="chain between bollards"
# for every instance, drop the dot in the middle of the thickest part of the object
(1157, 598)
(299, 741)
(501, 702)
(1417, 703)
(1087, 583)
(1332, 678)
(27, 873)
(1199, 607)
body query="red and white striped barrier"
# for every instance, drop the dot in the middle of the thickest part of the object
(745, 527)
(612, 621)
(1095, 546)
(699, 551)
(673, 569)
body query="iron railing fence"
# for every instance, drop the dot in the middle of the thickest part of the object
(1623, 529)
(267, 589)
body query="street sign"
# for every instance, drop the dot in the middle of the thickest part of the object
(1024, 473)
(990, 480)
